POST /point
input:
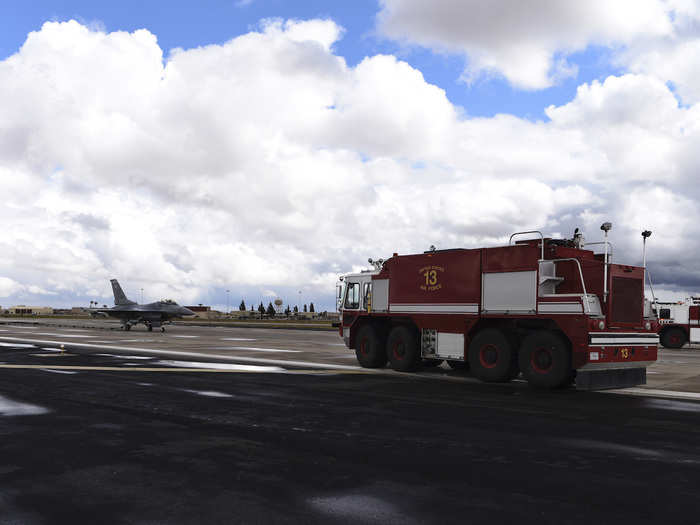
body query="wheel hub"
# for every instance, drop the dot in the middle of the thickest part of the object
(399, 350)
(542, 360)
(488, 355)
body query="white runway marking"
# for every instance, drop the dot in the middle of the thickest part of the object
(220, 366)
(236, 339)
(125, 356)
(8, 407)
(101, 342)
(186, 336)
(154, 351)
(256, 349)
(651, 392)
(58, 371)
(207, 393)
(16, 345)
(62, 335)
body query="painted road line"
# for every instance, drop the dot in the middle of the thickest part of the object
(242, 369)
(257, 349)
(228, 357)
(217, 366)
(236, 339)
(185, 336)
(651, 392)
(52, 334)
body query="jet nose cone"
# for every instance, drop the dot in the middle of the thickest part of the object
(187, 311)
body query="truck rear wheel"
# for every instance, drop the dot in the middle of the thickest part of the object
(673, 338)
(492, 356)
(403, 350)
(369, 348)
(545, 360)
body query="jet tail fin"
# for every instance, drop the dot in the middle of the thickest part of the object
(119, 296)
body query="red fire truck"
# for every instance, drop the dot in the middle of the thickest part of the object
(547, 308)
(679, 323)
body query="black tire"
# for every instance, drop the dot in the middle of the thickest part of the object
(127, 327)
(491, 356)
(458, 365)
(545, 360)
(431, 363)
(674, 338)
(403, 350)
(150, 328)
(369, 349)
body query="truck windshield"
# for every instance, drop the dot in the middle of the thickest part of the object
(352, 298)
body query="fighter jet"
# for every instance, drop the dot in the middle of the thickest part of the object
(153, 315)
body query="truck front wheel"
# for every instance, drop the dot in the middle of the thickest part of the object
(403, 350)
(369, 348)
(545, 360)
(492, 356)
(673, 338)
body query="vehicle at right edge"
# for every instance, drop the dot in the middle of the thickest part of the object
(679, 323)
(551, 309)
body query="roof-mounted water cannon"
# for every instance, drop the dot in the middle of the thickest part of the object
(606, 227)
(377, 264)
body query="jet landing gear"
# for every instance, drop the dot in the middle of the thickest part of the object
(126, 327)
(150, 327)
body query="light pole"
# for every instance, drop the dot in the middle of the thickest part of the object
(142, 295)
(300, 308)
(227, 292)
(645, 235)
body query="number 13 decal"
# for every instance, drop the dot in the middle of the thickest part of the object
(430, 277)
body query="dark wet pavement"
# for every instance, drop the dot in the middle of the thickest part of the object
(137, 444)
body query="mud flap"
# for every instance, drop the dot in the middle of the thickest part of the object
(604, 379)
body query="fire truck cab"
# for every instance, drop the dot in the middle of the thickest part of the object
(547, 308)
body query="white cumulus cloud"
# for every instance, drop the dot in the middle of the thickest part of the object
(526, 42)
(267, 163)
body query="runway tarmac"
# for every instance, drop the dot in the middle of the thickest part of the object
(675, 375)
(205, 425)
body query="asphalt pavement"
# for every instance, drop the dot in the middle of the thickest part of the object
(114, 438)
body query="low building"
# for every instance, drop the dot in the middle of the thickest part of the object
(203, 312)
(22, 309)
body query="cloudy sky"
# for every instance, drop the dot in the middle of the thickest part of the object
(265, 146)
